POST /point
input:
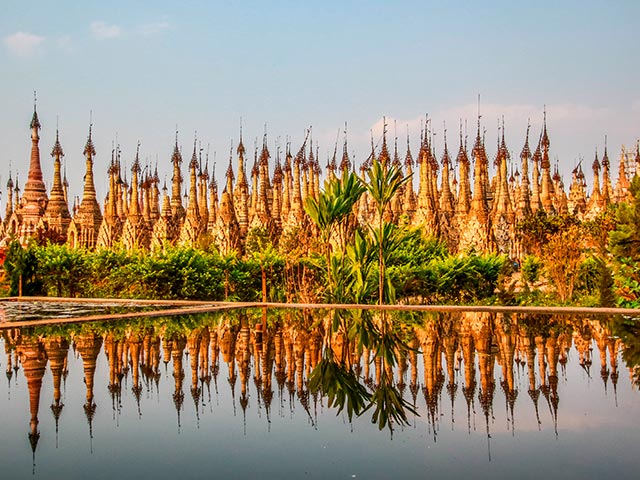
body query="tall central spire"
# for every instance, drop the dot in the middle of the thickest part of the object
(35, 192)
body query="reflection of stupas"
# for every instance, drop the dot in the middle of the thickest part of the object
(88, 345)
(57, 349)
(471, 353)
(33, 358)
(470, 207)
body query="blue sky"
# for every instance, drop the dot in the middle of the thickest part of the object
(144, 67)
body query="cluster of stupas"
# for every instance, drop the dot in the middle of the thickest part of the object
(467, 207)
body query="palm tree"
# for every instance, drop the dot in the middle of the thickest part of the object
(384, 182)
(330, 213)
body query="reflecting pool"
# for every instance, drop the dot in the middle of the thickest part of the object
(227, 394)
(28, 310)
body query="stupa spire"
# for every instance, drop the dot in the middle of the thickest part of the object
(57, 212)
(88, 217)
(34, 198)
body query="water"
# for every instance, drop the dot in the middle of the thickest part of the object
(506, 396)
(14, 310)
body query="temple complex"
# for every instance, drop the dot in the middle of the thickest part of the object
(468, 202)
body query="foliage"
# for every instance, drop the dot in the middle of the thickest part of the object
(340, 385)
(461, 278)
(628, 329)
(624, 243)
(531, 268)
(330, 213)
(384, 182)
(562, 256)
(21, 266)
(536, 229)
(63, 270)
(390, 406)
(262, 252)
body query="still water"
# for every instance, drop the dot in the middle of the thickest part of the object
(227, 395)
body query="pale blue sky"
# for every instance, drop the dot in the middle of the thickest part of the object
(143, 67)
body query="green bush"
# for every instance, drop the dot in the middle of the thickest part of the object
(531, 268)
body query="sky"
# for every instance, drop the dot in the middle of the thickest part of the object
(140, 69)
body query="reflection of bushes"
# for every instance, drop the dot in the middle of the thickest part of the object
(628, 329)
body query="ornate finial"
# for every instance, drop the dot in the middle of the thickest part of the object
(466, 134)
(229, 175)
(605, 156)
(136, 163)
(596, 163)
(57, 149)
(526, 151)
(35, 123)
(373, 154)
(545, 137)
(89, 148)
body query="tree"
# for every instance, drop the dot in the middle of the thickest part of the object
(624, 243)
(562, 256)
(21, 266)
(261, 249)
(64, 270)
(384, 183)
(330, 214)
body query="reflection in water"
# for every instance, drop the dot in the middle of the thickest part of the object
(443, 359)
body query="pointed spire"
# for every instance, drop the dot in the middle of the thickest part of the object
(462, 158)
(229, 174)
(34, 198)
(194, 157)
(345, 163)
(446, 160)
(478, 146)
(396, 158)
(57, 212)
(545, 137)
(241, 149)
(596, 164)
(176, 156)
(384, 151)
(605, 157)
(89, 149)
(525, 154)
(57, 149)
(35, 122)
(10, 181)
(408, 159)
